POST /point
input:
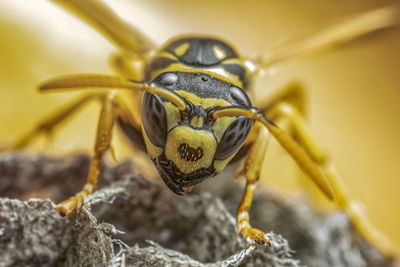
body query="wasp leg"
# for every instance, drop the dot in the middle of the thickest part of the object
(252, 171)
(342, 196)
(113, 108)
(48, 125)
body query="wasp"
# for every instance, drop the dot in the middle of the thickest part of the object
(188, 104)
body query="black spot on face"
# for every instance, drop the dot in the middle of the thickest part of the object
(189, 153)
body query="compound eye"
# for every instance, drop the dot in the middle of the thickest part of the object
(240, 96)
(154, 119)
(233, 138)
(167, 79)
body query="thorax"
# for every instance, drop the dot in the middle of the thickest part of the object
(200, 55)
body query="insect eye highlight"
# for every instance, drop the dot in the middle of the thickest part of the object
(154, 119)
(233, 138)
(240, 96)
(167, 79)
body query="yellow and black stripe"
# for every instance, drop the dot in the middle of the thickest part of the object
(200, 55)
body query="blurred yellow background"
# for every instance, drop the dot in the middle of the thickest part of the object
(353, 92)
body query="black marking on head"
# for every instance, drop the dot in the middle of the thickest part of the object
(200, 51)
(154, 119)
(189, 153)
(164, 171)
(233, 138)
(175, 179)
(207, 86)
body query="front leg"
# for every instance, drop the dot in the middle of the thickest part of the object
(252, 171)
(113, 107)
(102, 143)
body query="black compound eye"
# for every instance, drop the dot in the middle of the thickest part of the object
(233, 138)
(240, 96)
(167, 79)
(154, 119)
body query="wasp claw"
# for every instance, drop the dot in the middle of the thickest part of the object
(255, 235)
(67, 207)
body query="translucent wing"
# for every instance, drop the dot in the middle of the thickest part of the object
(329, 37)
(126, 37)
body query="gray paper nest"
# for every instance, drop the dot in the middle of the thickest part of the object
(132, 222)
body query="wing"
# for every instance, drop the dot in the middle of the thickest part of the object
(97, 14)
(329, 37)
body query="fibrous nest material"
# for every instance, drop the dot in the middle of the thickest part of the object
(130, 221)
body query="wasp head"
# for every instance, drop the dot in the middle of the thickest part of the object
(188, 147)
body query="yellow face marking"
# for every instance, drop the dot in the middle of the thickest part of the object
(181, 50)
(197, 122)
(204, 102)
(173, 115)
(219, 52)
(154, 151)
(194, 139)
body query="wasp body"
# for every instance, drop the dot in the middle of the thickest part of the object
(195, 115)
